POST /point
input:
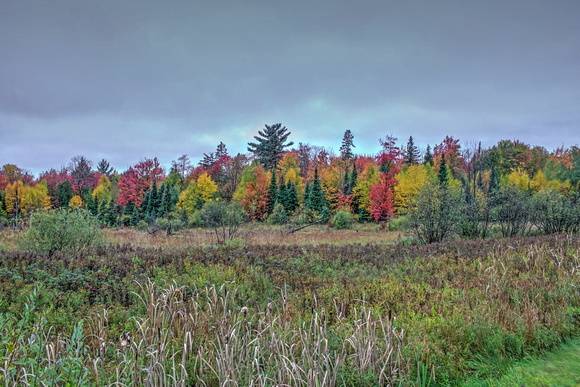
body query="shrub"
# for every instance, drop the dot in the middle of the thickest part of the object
(61, 230)
(433, 213)
(399, 223)
(510, 208)
(342, 220)
(278, 216)
(195, 220)
(225, 219)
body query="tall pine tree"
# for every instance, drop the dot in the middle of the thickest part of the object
(428, 159)
(347, 145)
(316, 199)
(443, 175)
(270, 145)
(272, 193)
(412, 153)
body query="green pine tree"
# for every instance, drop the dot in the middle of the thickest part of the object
(272, 193)
(443, 175)
(292, 197)
(153, 203)
(428, 159)
(306, 194)
(316, 198)
(412, 153)
(134, 217)
(270, 145)
(493, 180)
(282, 195)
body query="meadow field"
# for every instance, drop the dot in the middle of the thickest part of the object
(317, 307)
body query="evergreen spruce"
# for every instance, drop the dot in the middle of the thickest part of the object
(127, 213)
(412, 153)
(104, 168)
(184, 217)
(270, 145)
(306, 194)
(134, 217)
(112, 214)
(363, 215)
(221, 151)
(208, 161)
(153, 204)
(173, 198)
(101, 215)
(90, 204)
(282, 195)
(292, 195)
(272, 193)
(159, 208)
(428, 159)
(443, 175)
(316, 199)
(145, 202)
(64, 193)
(165, 201)
(347, 145)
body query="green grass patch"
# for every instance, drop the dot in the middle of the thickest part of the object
(558, 368)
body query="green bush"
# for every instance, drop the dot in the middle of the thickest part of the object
(225, 219)
(278, 216)
(195, 220)
(399, 223)
(342, 220)
(61, 230)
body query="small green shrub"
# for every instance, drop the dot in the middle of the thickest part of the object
(278, 216)
(61, 230)
(142, 225)
(342, 220)
(195, 220)
(399, 223)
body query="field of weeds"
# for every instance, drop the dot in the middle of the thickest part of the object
(157, 311)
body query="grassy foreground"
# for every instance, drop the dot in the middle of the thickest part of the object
(558, 368)
(298, 314)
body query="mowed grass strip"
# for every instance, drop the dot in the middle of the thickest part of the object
(558, 368)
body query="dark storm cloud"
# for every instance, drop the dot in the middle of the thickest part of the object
(132, 79)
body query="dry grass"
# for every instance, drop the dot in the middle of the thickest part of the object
(252, 235)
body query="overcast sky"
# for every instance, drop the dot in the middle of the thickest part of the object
(124, 80)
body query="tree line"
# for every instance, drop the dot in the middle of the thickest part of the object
(511, 188)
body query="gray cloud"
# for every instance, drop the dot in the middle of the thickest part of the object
(129, 79)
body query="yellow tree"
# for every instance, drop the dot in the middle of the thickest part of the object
(519, 179)
(102, 191)
(540, 182)
(34, 198)
(75, 202)
(364, 183)
(290, 169)
(206, 187)
(188, 199)
(411, 180)
(197, 193)
(14, 194)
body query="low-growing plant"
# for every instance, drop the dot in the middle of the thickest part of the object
(278, 215)
(399, 223)
(61, 230)
(342, 220)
